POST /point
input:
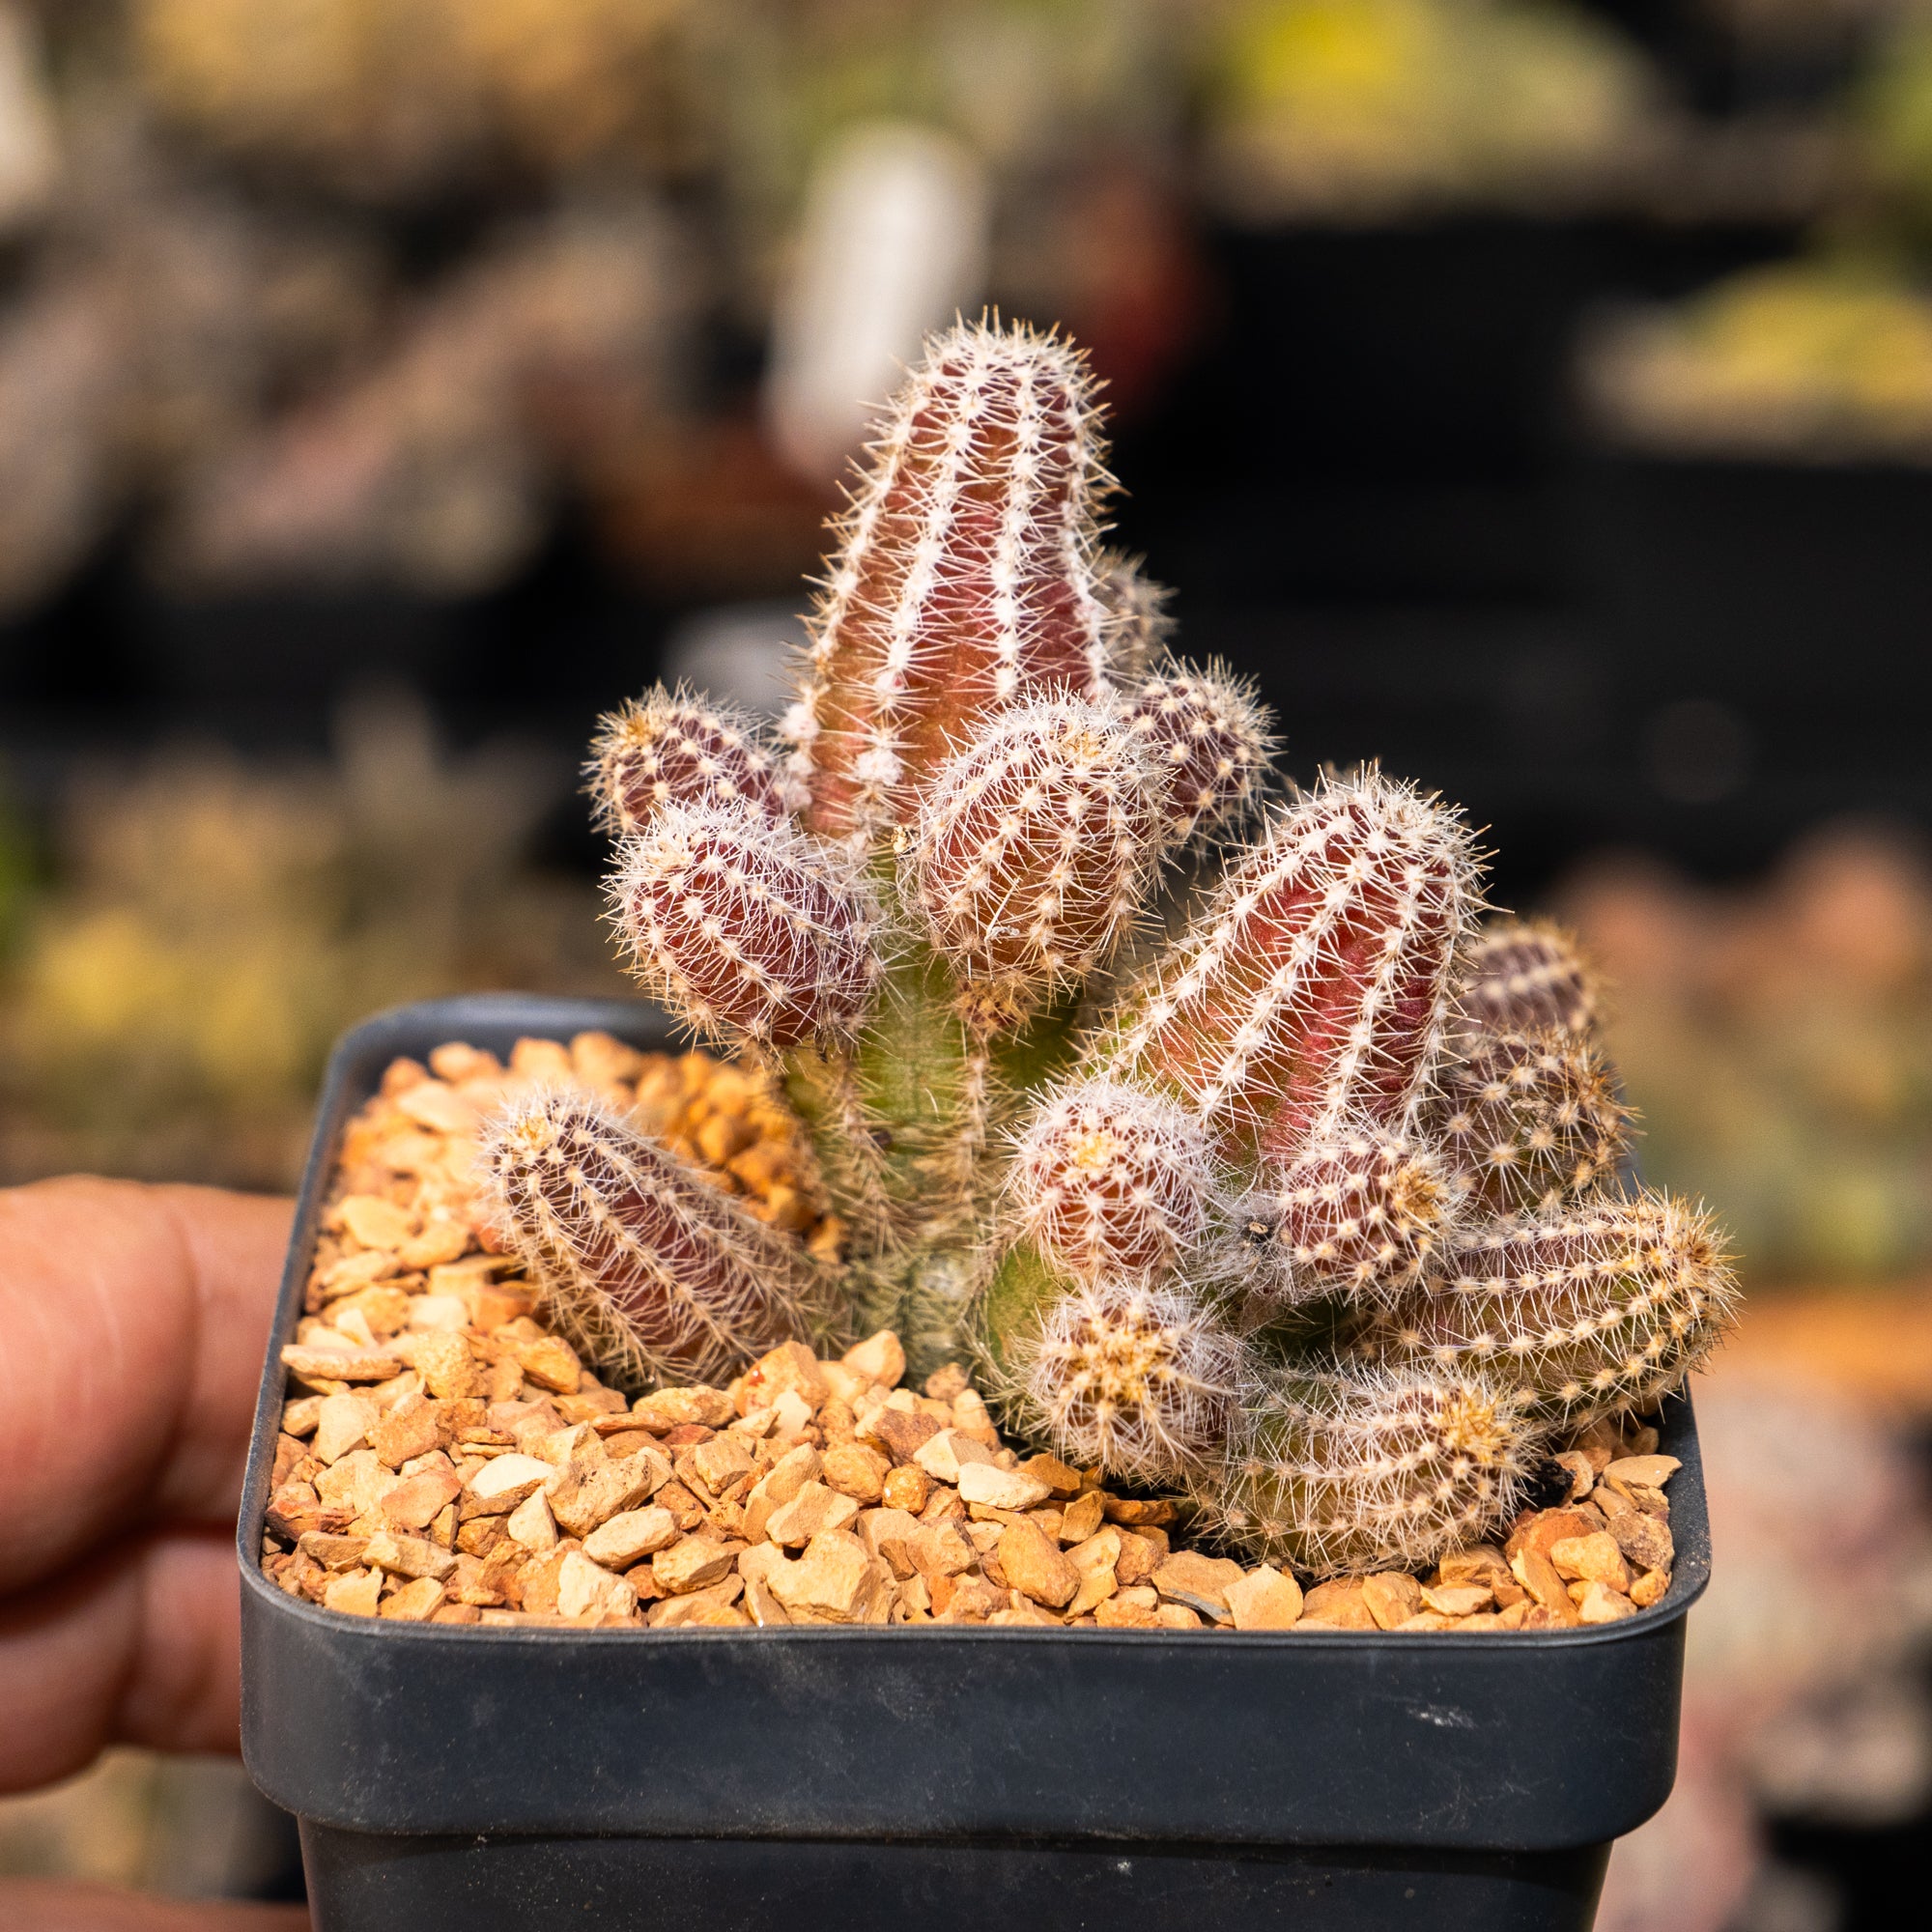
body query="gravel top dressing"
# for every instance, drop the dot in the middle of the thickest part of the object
(447, 1456)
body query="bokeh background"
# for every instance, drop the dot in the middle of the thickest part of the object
(1536, 394)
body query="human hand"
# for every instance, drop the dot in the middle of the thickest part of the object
(132, 1321)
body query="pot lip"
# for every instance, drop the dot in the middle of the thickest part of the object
(514, 1013)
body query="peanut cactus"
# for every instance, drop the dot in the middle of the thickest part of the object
(1108, 1180)
(668, 747)
(1226, 1214)
(1521, 975)
(1526, 1119)
(1587, 1307)
(1137, 1377)
(1358, 1212)
(1358, 1469)
(647, 1266)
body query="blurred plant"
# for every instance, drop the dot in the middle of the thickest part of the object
(1364, 110)
(398, 96)
(1892, 110)
(433, 467)
(1778, 1045)
(1822, 360)
(1024, 84)
(214, 925)
(160, 320)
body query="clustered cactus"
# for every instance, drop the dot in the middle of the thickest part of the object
(1309, 1209)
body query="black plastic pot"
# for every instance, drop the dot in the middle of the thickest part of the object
(946, 1778)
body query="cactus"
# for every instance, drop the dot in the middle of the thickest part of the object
(646, 1266)
(1358, 1212)
(1109, 1181)
(668, 747)
(964, 575)
(1231, 1222)
(1135, 625)
(1528, 1121)
(1314, 987)
(1361, 1467)
(748, 929)
(1136, 1377)
(1207, 732)
(1585, 1308)
(1035, 848)
(1521, 975)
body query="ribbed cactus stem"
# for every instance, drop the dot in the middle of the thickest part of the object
(671, 748)
(1364, 1467)
(962, 577)
(1313, 989)
(1035, 846)
(1528, 1120)
(1521, 976)
(1138, 1377)
(647, 1267)
(747, 930)
(1135, 623)
(918, 1097)
(1587, 1308)
(1357, 1212)
(1206, 733)
(1109, 1181)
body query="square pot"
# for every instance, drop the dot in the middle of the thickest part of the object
(450, 1775)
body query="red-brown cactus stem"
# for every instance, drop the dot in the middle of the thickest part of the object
(671, 748)
(1357, 1212)
(749, 930)
(1587, 1308)
(963, 576)
(1138, 1377)
(1137, 625)
(1110, 1181)
(1528, 1120)
(1209, 739)
(1313, 989)
(1521, 976)
(1035, 845)
(644, 1264)
(1363, 1468)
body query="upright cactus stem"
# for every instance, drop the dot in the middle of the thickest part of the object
(1303, 1214)
(964, 575)
(1035, 848)
(1314, 987)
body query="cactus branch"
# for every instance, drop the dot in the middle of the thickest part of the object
(647, 1266)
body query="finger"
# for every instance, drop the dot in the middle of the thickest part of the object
(50, 1905)
(142, 1645)
(132, 1321)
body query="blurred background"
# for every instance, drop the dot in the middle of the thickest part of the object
(1534, 393)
